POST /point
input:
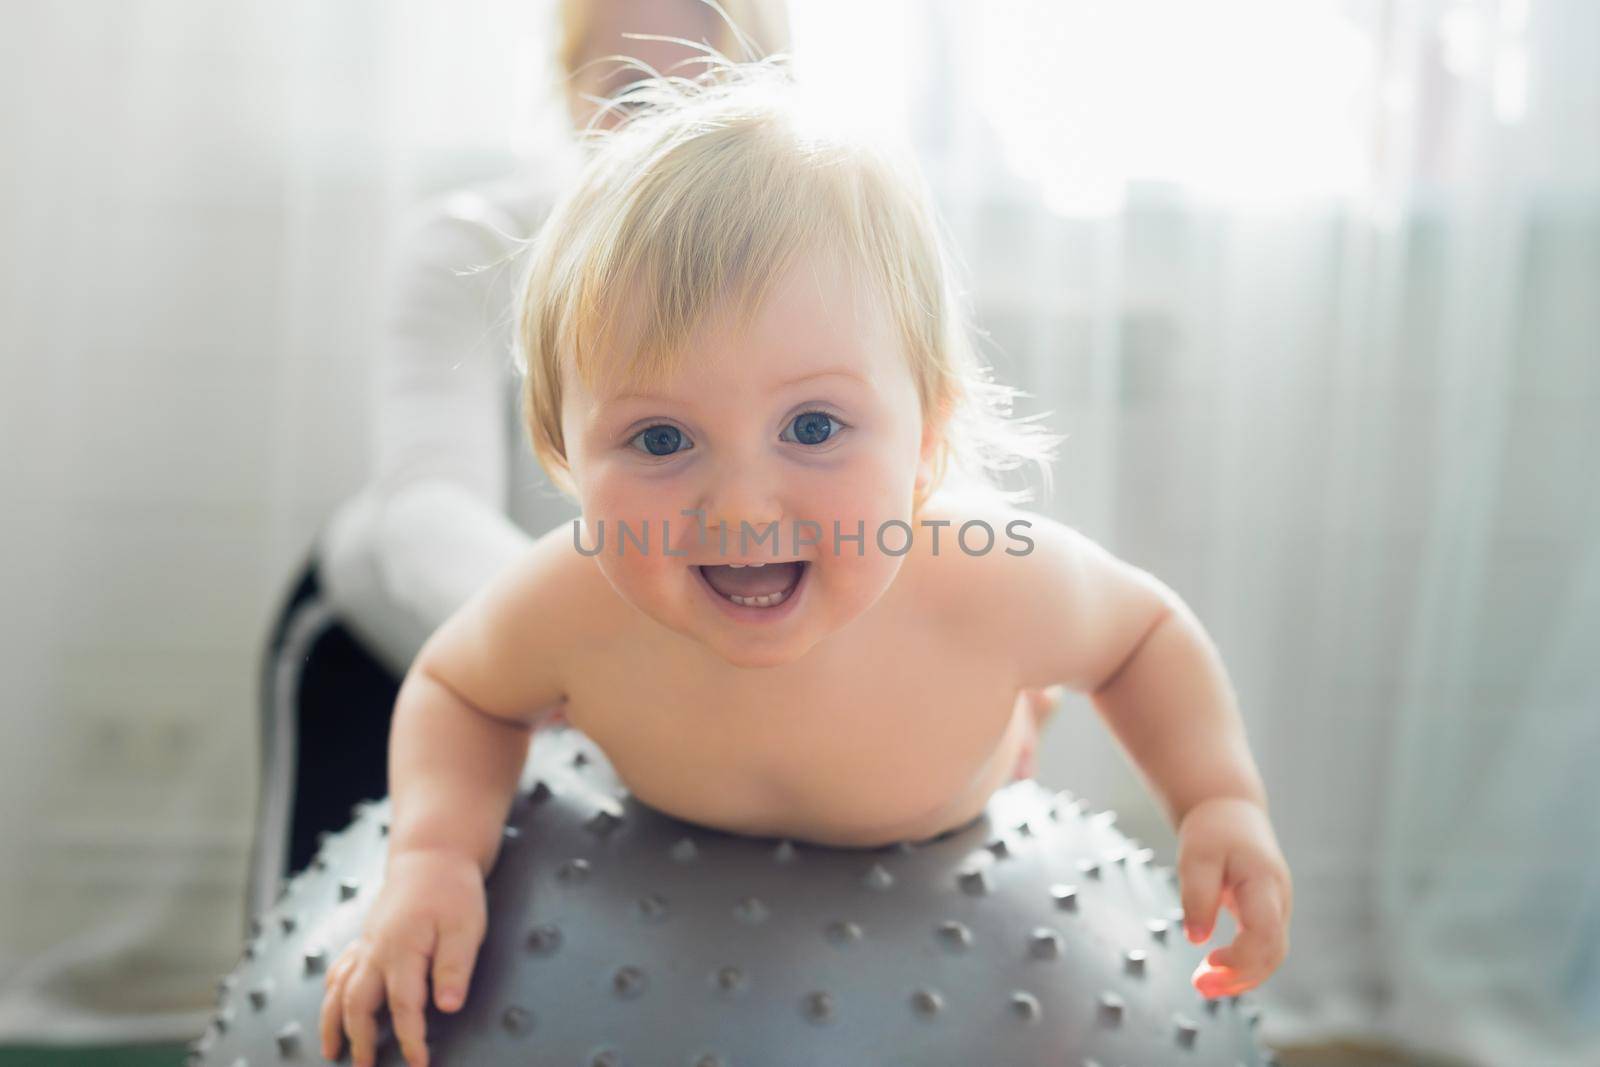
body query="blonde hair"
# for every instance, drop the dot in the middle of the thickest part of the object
(754, 29)
(695, 206)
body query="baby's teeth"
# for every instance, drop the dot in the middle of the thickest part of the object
(759, 601)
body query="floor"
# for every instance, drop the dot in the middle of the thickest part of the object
(172, 1056)
(1345, 1055)
(108, 1056)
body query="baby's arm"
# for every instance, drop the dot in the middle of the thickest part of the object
(1104, 627)
(460, 736)
(1153, 674)
(464, 718)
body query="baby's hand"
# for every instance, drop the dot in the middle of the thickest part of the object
(431, 906)
(1227, 852)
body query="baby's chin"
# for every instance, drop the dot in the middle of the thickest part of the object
(743, 648)
(825, 617)
(695, 618)
(749, 657)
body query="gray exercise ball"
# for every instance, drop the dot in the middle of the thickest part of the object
(619, 936)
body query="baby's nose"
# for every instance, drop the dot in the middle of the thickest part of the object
(743, 498)
(756, 518)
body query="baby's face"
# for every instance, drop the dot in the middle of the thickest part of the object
(810, 415)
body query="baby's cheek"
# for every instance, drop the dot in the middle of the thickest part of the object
(648, 531)
(852, 582)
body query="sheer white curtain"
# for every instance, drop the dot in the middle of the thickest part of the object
(1312, 288)
(1315, 288)
(198, 203)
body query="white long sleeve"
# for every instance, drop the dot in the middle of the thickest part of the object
(431, 526)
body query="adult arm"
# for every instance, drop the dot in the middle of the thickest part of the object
(430, 527)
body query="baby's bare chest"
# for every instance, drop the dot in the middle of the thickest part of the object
(880, 732)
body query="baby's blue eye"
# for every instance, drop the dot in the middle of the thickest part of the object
(814, 427)
(662, 440)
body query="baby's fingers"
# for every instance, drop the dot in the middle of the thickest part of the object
(408, 997)
(1200, 876)
(1261, 945)
(363, 996)
(453, 960)
(331, 1020)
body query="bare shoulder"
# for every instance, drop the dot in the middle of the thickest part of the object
(964, 539)
(507, 649)
(1062, 606)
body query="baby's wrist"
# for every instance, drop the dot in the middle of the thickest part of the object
(432, 853)
(1251, 805)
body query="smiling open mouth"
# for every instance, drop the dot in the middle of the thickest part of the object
(759, 586)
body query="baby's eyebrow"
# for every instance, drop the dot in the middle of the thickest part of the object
(841, 371)
(844, 372)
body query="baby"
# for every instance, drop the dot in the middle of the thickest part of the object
(796, 605)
